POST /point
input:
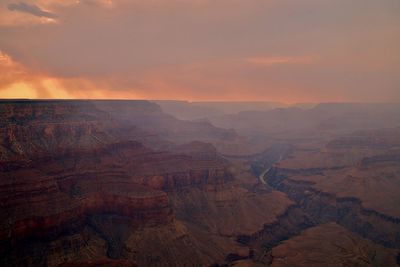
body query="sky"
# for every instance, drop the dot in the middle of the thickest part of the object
(223, 50)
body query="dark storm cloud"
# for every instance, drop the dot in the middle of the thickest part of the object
(31, 9)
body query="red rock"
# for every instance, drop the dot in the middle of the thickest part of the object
(100, 263)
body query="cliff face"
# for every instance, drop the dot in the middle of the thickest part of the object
(105, 183)
(344, 194)
(150, 117)
(353, 166)
(352, 181)
(330, 245)
(31, 130)
(73, 187)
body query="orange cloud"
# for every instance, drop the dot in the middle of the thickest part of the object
(16, 81)
(216, 79)
(271, 61)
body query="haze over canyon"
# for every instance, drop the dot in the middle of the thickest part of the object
(199, 133)
(123, 183)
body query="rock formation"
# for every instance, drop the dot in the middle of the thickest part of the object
(83, 184)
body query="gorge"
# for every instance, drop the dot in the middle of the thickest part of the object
(123, 183)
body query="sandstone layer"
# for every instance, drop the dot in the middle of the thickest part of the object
(98, 183)
(331, 245)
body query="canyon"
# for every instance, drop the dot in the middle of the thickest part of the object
(124, 183)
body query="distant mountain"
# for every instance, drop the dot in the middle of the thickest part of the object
(323, 118)
(196, 110)
(151, 118)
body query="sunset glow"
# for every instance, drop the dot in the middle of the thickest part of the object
(302, 51)
(199, 133)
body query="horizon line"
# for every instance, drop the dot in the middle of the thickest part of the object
(190, 101)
